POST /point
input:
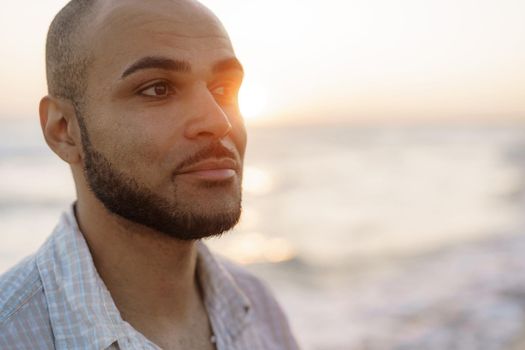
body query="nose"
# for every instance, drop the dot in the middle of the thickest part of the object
(208, 117)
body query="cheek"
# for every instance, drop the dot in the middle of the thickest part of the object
(134, 138)
(141, 149)
(154, 148)
(128, 148)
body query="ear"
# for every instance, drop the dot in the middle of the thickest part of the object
(60, 127)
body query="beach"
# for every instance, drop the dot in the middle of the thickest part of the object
(371, 237)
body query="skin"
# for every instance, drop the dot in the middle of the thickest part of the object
(146, 133)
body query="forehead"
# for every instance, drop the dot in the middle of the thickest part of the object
(124, 31)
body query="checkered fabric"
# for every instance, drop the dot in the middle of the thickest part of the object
(55, 299)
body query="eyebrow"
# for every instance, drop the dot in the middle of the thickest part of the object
(227, 64)
(152, 62)
(182, 66)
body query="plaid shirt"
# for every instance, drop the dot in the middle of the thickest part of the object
(55, 299)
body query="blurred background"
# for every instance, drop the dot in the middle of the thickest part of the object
(384, 183)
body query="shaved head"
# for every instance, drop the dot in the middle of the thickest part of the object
(68, 51)
(66, 54)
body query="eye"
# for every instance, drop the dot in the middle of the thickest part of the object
(226, 93)
(159, 89)
(221, 90)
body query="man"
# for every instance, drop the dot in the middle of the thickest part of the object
(143, 106)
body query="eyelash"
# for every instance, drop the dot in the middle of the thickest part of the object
(168, 86)
(229, 94)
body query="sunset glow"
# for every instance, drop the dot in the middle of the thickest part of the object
(341, 60)
(252, 100)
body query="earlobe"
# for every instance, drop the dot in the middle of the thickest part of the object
(59, 126)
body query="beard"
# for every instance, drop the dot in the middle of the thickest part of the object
(126, 197)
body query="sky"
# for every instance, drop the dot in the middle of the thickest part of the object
(332, 60)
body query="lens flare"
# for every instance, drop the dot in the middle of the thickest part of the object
(252, 100)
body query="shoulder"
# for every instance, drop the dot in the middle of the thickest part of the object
(246, 280)
(267, 314)
(18, 286)
(260, 294)
(262, 298)
(23, 310)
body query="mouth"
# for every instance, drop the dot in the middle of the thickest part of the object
(212, 170)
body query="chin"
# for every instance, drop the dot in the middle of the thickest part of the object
(208, 223)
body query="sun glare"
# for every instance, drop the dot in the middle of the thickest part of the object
(252, 100)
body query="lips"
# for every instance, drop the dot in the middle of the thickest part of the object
(212, 169)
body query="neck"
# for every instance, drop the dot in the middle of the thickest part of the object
(149, 275)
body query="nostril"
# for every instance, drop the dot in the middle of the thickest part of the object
(206, 134)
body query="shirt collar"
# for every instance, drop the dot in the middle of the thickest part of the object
(81, 308)
(229, 309)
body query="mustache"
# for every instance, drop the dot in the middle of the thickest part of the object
(213, 150)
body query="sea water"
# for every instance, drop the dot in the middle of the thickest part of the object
(369, 236)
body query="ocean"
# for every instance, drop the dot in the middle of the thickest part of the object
(372, 237)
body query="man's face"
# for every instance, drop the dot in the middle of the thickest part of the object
(163, 139)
